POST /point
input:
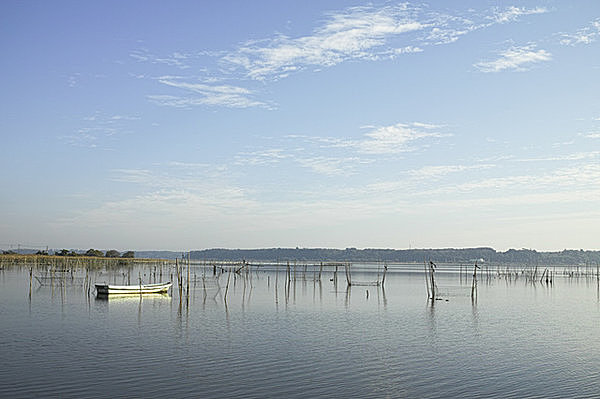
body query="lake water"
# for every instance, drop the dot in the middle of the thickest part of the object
(303, 340)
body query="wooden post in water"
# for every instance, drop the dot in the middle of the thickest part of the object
(348, 273)
(177, 272)
(227, 286)
(432, 267)
(426, 279)
(474, 283)
(188, 275)
(544, 274)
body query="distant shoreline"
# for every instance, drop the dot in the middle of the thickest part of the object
(442, 255)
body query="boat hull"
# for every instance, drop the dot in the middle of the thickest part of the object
(132, 289)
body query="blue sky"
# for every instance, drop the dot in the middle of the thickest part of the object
(237, 124)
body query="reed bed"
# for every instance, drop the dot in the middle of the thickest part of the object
(73, 262)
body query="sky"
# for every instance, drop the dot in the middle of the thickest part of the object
(238, 124)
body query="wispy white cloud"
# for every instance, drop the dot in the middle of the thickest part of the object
(512, 13)
(96, 129)
(175, 190)
(366, 32)
(74, 79)
(519, 58)
(178, 209)
(175, 59)
(124, 118)
(193, 165)
(207, 196)
(264, 157)
(586, 35)
(354, 33)
(563, 144)
(415, 181)
(573, 177)
(396, 138)
(427, 125)
(136, 176)
(209, 90)
(319, 164)
(331, 166)
(206, 94)
(392, 139)
(446, 29)
(84, 137)
(446, 36)
(568, 157)
(516, 200)
(204, 88)
(175, 101)
(175, 175)
(335, 156)
(438, 171)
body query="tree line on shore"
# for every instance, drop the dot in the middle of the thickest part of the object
(111, 253)
(446, 255)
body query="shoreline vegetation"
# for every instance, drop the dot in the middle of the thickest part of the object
(74, 262)
(277, 255)
(368, 255)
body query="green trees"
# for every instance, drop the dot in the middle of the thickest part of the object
(112, 253)
(128, 254)
(94, 252)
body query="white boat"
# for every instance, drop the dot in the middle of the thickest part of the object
(133, 289)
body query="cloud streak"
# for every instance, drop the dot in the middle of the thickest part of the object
(206, 94)
(175, 59)
(512, 13)
(396, 138)
(517, 58)
(330, 166)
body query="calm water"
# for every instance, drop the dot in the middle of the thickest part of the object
(311, 340)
